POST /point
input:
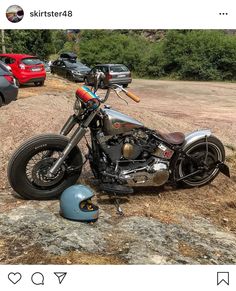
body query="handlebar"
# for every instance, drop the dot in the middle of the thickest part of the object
(132, 96)
(99, 75)
(115, 86)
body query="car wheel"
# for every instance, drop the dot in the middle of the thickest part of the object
(70, 78)
(125, 85)
(1, 101)
(102, 85)
(86, 81)
(40, 83)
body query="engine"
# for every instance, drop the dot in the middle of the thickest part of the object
(138, 158)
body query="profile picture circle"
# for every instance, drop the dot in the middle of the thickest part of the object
(14, 13)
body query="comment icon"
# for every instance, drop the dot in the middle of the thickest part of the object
(37, 278)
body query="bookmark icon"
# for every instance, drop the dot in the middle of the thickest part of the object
(61, 276)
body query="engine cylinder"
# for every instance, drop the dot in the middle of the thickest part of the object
(128, 151)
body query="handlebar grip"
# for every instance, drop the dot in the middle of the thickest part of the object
(133, 96)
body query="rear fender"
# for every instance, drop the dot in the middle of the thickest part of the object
(195, 136)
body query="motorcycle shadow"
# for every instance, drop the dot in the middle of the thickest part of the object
(147, 191)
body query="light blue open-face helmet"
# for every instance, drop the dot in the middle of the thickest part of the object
(76, 204)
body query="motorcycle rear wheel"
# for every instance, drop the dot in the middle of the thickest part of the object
(197, 150)
(28, 166)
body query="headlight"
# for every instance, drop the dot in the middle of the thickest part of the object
(76, 73)
(78, 107)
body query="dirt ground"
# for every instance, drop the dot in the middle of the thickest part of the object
(166, 106)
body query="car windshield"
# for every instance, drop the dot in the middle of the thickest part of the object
(118, 69)
(31, 61)
(76, 65)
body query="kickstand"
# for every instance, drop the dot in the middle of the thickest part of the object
(117, 205)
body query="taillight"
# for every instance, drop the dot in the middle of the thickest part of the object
(10, 79)
(109, 76)
(22, 66)
(129, 75)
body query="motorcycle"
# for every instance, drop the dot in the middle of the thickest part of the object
(122, 153)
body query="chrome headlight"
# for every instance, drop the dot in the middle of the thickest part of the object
(78, 107)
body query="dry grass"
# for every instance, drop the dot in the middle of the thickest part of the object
(12, 252)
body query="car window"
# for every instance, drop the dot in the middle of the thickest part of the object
(31, 61)
(2, 72)
(3, 68)
(70, 65)
(104, 69)
(118, 69)
(62, 64)
(7, 60)
(94, 70)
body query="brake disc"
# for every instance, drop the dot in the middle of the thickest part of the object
(40, 170)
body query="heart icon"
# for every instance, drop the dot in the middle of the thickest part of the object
(14, 277)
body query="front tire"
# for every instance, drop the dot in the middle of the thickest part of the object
(197, 150)
(26, 174)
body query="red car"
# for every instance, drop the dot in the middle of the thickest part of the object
(25, 68)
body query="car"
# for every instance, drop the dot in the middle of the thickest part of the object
(47, 67)
(25, 68)
(8, 88)
(114, 74)
(71, 70)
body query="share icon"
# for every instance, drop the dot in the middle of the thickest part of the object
(61, 276)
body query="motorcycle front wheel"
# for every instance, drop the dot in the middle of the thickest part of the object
(206, 153)
(30, 163)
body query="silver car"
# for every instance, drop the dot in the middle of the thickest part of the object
(114, 74)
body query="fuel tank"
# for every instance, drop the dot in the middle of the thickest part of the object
(117, 123)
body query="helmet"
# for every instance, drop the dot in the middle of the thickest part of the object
(75, 204)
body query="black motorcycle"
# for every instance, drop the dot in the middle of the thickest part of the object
(122, 153)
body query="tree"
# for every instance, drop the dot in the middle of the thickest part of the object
(35, 42)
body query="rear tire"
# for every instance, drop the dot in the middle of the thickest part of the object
(19, 174)
(125, 85)
(216, 152)
(86, 81)
(102, 85)
(1, 101)
(38, 84)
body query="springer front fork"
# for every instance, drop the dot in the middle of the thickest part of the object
(74, 140)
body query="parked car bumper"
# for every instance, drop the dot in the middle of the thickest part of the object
(78, 78)
(31, 78)
(9, 93)
(120, 81)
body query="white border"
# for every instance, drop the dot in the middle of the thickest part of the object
(121, 14)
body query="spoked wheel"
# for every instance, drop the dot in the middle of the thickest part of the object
(29, 165)
(203, 158)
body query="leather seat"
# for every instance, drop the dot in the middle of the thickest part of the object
(176, 138)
